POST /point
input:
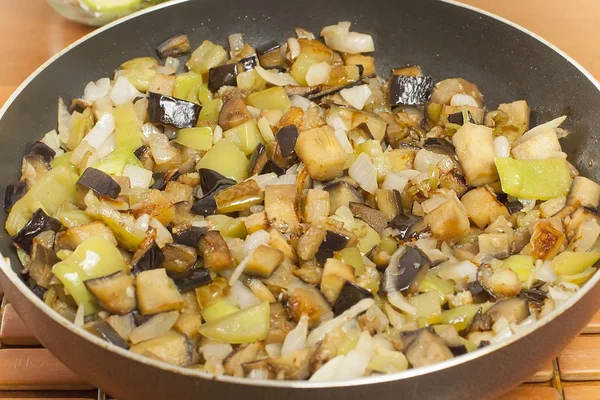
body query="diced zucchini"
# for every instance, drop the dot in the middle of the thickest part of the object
(211, 110)
(140, 78)
(200, 138)
(207, 56)
(63, 159)
(218, 310)
(571, 263)
(433, 283)
(311, 52)
(273, 98)
(263, 261)
(215, 252)
(245, 326)
(227, 159)
(157, 293)
(174, 348)
(251, 81)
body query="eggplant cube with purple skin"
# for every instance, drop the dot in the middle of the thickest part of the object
(410, 90)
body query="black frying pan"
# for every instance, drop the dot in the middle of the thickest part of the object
(446, 40)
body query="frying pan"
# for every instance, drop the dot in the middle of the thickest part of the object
(447, 40)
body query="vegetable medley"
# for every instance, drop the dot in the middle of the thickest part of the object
(281, 212)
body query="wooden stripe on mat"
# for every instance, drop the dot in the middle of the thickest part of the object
(531, 393)
(580, 361)
(583, 392)
(543, 375)
(594, 325)
(13, 331)
(36, 369)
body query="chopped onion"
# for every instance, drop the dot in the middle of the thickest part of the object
(236, 43)
(424, 159)
(329, 370)
(409, 174)
(397, 319)
(273, 349)
(80, 316)
(397, 300)
(215, 350)
(338, 37)
(341, 136)
(501, 147)
(265, 130)
(142, 222)
(288, 179)
(217, 134)
(64, 120)
(433, 203)
(139, 177)
(461, 99)
(318, 74)
(105, 149)
(275, 78)
(545, 272)
(256, 239)
(426, 244)
(296, 338)
(101, 131)
(123, 92)
(199, 223)
(96, 90)
(51, 140)
(255, 112)
(301, 102)
(244, 296)
(394, 181)
(356, 96)
(462, 272)
(502, 335)
(533, 132)
(239, 270)
(161, 149)
(320, 331)
(357, 359)
(345, 216)
(364, 173)
(292, 48)
(163, 236)
(165, 70)
(528, 205)
(304, 34)
(172, 62)
(156, 326)
(264, 180)
(147, 130)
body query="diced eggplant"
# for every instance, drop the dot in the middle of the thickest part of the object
(280, 205)
(294, 366)
(73, 237)
(190, 280)
(223, 75)
(108, 333)
(239, 197)
(448, 222)
(258, 160)
(161, 179)
(205, 206)
(100, 182)
(407, 268)
(14, 191)
(175, 46)
(309, 243)
(407, 225)
(478, 293)
(514, 310)
(349, 296)
(482, 206)
(321, 153)
(174, 348)
(333, 242)
(546, 240)
(410, 90)
(167, 110)
(375, 218)
(307, 300)
(269, 54)
(316, 206)
(335, 274)
(389, 202)
(189, 237)
(342, 194)
(233, 113)
(157, 293)
(535, 296)
(210, 179)
(39, 222)
(115, 293)
(33, 167)
(499, 283)
(178, 258)
(147, 256)
(39, 291)
(244, 354)
(140, 151)
(584, 193)
(440, 146)
(286, 138)
(41, 149)
(215, 252)
(446, 89)
(264, 261)
(427, 348)
(248, 63)
(123, 324)
(43, 258)
(475, 150)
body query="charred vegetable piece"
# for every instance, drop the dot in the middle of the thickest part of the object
(407, 268)
(335, 274)
(101, 183)
(176, 46)
(333, 242)
(239, 197)
(174, 348)
(39, 223)
(349, 296)
(513, 310)
(192, 279)
(286, 138)
(167, 110)
(157, 293)
(280, 205)
(410, 90)
(189, 237)
(43, 150)
(140, 151)
(248, 63)
(427, 348)
(215, 252)
(147, 256)
(321, 152)
(115, 293)
(375, 218)
(223, 75)
(307, 300)
(263, 261)
(342, 194)
(269, 54)
(108, 333)
(14, 191)
(178, 257)
(210, 179)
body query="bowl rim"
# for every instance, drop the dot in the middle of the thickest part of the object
(12, 276)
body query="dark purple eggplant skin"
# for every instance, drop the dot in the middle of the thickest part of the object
(257, 156)
(109, 334)
(479, 294)
(271, 166)
(286, 138)
(152, 259)
(209, 179)
(100, 182)
(177, 45)
(39, 222)
(223, 75)
(140, 151)
(456, 118)
(167, 110)
(14, 191)
(349, 296)
(333, 242)
(41, 149)
(162, 178)
(410, 90)
(39, 291)
(189, 237)
(441, 146)
(267, 47)
(248, 63)
(458, 350)
(405, 223)
(190, 280)
(206, 205)
(512, 206)
(411, 265)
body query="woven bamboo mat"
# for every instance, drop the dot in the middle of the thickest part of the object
(29, 371)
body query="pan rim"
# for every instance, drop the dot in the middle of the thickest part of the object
(407, 374)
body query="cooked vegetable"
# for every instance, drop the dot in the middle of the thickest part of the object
(233, 113)
(114, 293)
(169, 111)
(410, 90)
(349, 296)
(475, 151)
(215, 252)
(406, 270)
(482, 206)
(189, 237)
(224, 75)
(273, 98)
(569, 263)
(205, 57)
(147, 256)
(534, 179)
(100, 182)
(13, 193)
(584, 193)
(342, 194)
(286, 138)
(173, 348)
(332, 242)
(245, 326)
(227, 159)
(375, 218)
(239, 197)
(175, 46)
(157, 293)
(190, 280)
(280, 205)
(263, 261)
(512, 310)
(427, 348)
(448, 222)
(178, 258)
(38, 223)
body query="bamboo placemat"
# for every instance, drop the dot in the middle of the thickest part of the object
(29, 371)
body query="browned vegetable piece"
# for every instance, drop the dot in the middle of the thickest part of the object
(389, 203)
(322, 153)
(342, 194)
(335, 274)
(309, 272)
(188, 324)
(406, 270)
(242, 355)
(448, 222)
(279, 323)
(157, 293)
(497, 245)
(215, 252)
(349, 296)
(43, 258)
(178, 192)
(100, 182)
(308, 301)
(292, 117)
(294, 366)
(156, 204)
(178, 257)
(367, 62)
(269, 54)
(499, 283)
(163, 84)
(309, 243)
(444, 90)
(482, 206)
(173, 47)
(427, 348)
(73, 237)
(278, 241)
(409, 70)
(217, 289)
(546, 240)
(280, 205)
(584, 193)
(375, 218)
(147, 255)
(334, 241)
(316, 206)
(256, 222)
(239, 197)
(115, 293)
(233, 113)
(515, 310)
(174, 348)
(263, 261)
(474, 146)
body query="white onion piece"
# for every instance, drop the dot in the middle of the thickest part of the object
(336, 122)
(320, 331)
(318, 73)
(161, 149)
(256, 239)
(123, 92)
(217, 134)
(142, 222)
(265, 130)
(364, 173)
(397, 300)
(273, 349)
(528, 205)
(172, 62)
(236, 43)
(96, 90)
(502, 335)
(424, 159)
(304, 34)
(165, 70)
(545, 272)
(461, 99)
(199, 223)
(357, 359)
(394, 181)
(163, 236)
(147, 130)
(288, 179)
(296, 338)
(409, 174)
(239, 270)
(301, 102)
(461, 272)
(101, 131)
(215, 350)
(156, 326)
(275, 78)
(80, 316)
(341, 136)
(51, 140)
(356, 96)
(64, 119)
(264, 180)
(433, 203)
(329, 370)
(244, 297)
(139, 177)
(104, 150)
(338, 37)
(533, 132)
(292, 48)
(501, 147)
(255, 112)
